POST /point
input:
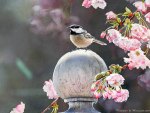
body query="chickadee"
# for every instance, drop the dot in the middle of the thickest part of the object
(81, 38)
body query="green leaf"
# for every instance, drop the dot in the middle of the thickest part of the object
(116, 25)
(127, 21)
(138, 15)
(125, 14)
(128, 10)
(118, 20)
(129, 26)
(99, 76)
(115, 68)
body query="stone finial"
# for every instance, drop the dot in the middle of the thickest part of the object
(73, 77)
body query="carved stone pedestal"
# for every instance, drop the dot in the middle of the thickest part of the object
(81, 105)
(73, 77)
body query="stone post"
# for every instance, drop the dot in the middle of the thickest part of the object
(73, 76)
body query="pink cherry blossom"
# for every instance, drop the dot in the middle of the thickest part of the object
(137, 59)
(114, 94)
(140, 33)
(112, 34)
(103, 34)
(19, 108)
(127, 44)
(107, 94)
(50, 90)
(118, 96)
(147, 3)
(111, 15)
(147, 16)
(86, 3)
(121, 95)
(115, 79)
(98, 4)
(141, 6)
(97, 94)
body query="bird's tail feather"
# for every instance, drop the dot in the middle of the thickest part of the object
(99, 42)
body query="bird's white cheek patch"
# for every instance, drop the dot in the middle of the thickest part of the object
(78, 30)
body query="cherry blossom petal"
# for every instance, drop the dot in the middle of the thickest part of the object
(115, 79)
(140, 33)
(111, 15)
(50, 90)
(112, 34)
(147, 3)
(137, 59)
(127, 44)
(19, 108)
(121, 95)
(103, 34)
(98, 4)
(86, 3)
(97, 94)
(140, 6)
(147, 16)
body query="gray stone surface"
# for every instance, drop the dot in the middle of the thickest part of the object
(73, 76)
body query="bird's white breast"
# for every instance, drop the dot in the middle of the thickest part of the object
(80, 41)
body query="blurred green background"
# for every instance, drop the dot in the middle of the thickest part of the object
(33, 36)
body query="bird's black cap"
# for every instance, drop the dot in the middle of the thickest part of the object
(74, 26)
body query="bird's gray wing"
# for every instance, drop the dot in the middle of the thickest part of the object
(89, 36)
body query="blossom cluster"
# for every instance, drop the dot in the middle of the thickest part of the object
(95, 3)
(144, 8)
(140, 33)
(137, 59)
(142, 5)
(108, 85)
(125, 43)
(129, 36)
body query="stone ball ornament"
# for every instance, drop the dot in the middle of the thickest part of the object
(73, 76)
(75, 72)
